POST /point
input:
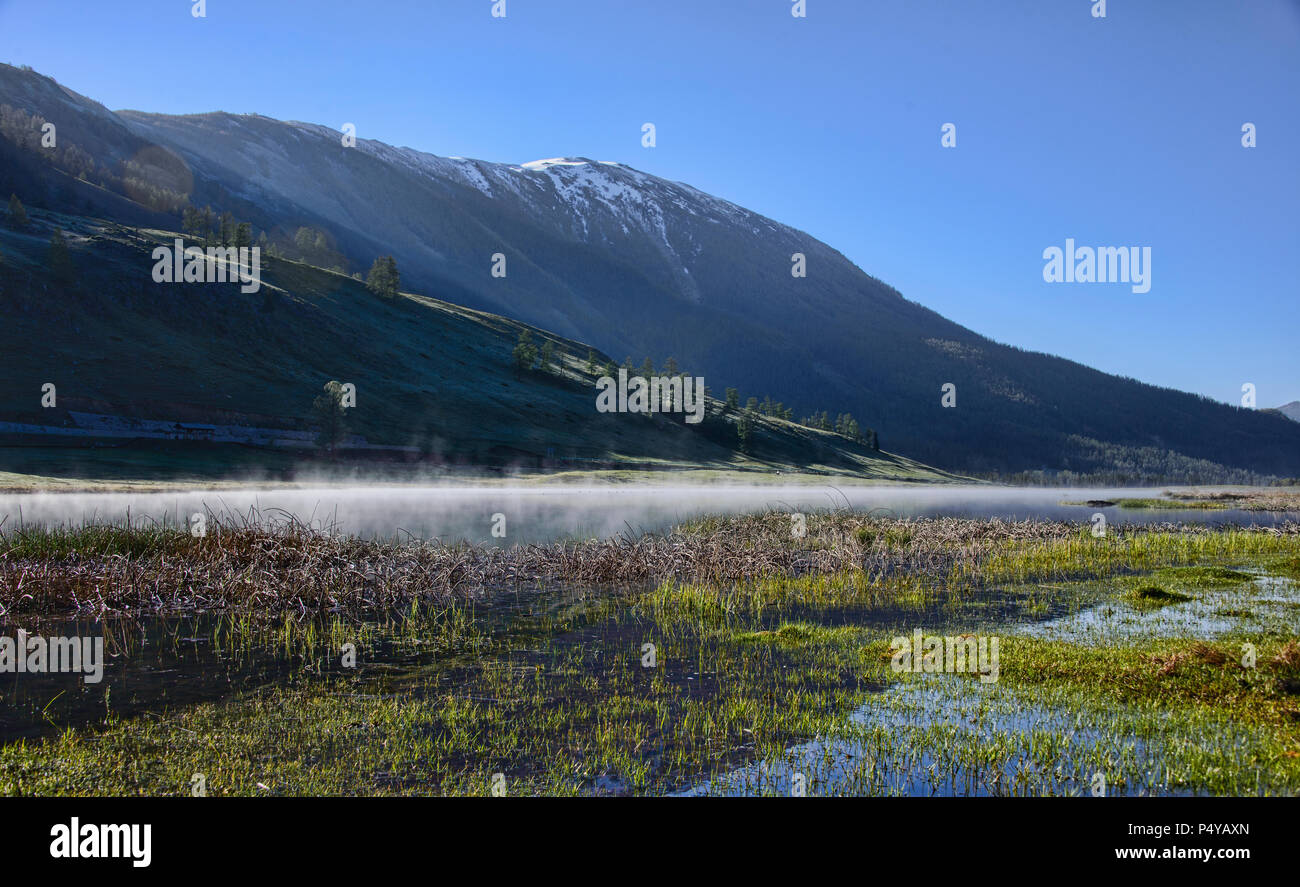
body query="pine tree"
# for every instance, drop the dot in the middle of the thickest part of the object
(393, 275)
(745, 429)
(846, 425)
(547, 357)
(591, 361)
(383, 279)
(243, 235)
(191, 222)
(205, 225)
(733, 399)
(525, 353)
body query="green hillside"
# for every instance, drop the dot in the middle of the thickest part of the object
(635, 265)
(430, 376)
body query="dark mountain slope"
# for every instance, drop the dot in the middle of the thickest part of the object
(642, 266)
(1291, 410)
(430, 376)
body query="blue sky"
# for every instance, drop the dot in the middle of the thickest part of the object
(1122, 131)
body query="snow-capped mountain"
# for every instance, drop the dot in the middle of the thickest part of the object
(636, 265)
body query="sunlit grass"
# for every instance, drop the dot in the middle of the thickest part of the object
(750, 642)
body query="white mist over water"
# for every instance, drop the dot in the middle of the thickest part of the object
(539, 514)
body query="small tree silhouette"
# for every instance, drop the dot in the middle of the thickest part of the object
(331, 418)
(525, 353)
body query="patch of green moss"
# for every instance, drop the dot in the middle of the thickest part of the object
(1180, 505)
(891, 536)
(1202, 575)
(1146, 596)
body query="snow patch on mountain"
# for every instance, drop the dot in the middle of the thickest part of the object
(553, 161)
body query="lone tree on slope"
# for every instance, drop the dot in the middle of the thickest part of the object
(383, 279)
(331, 418)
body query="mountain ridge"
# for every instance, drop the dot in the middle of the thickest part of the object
(637, 265)
(1290, 410)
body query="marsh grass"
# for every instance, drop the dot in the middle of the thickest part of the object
(1180, 505)
(1286, 566)
(528, 662)
(273, 565)
(1204, 575)
(1274, 501)
(1245, 500)
(561, 720)
(94, 540)
(1171, 716)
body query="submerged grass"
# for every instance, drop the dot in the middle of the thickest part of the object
(1180, 505)
(1156, 717)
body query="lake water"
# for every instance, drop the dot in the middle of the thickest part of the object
(539, 514)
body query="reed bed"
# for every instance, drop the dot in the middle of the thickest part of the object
(277, 565)
(1246, 500)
